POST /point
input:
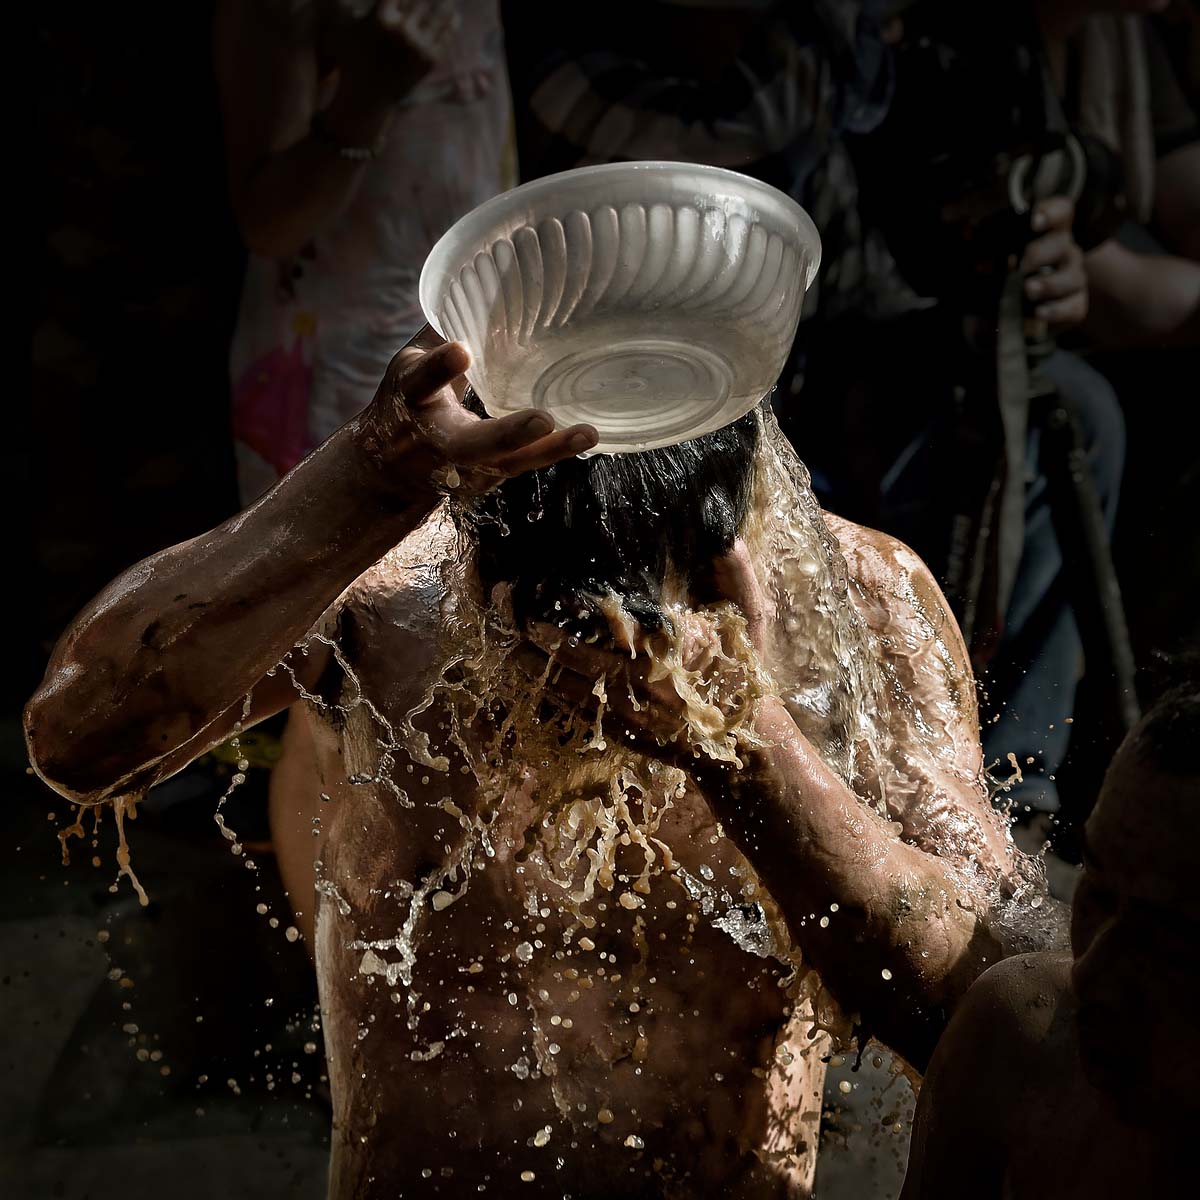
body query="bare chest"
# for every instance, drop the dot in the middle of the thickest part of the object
(623, 987)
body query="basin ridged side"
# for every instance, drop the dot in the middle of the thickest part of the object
(635, 259)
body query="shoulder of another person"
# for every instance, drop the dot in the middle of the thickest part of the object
(997, 1047)
(990, 1067)
(1016, 1005)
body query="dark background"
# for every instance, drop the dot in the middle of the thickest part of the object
(124, 449)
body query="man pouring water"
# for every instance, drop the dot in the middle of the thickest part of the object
(633, 774)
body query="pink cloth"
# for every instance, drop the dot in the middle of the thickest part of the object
(270, 407)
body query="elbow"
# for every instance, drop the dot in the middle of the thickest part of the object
(1154, 301)
(1172, 309)
(1185, 323)
(77, 749)
(49, 743)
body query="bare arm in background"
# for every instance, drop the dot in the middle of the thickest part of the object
(155, 670)
(1153, 299)
(286, 178)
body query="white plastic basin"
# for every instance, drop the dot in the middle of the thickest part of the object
(656, 301)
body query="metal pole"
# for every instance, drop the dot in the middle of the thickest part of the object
(1091, 579)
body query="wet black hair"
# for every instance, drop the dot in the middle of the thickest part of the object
(568, 534)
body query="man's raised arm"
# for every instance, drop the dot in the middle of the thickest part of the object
(156, 668)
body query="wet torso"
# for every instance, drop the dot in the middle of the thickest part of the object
(490, 1042)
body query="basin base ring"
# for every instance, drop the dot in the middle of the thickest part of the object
(648, 390)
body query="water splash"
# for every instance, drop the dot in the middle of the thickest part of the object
(597, 796)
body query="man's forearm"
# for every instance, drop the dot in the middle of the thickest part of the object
(148, 676)
(897, 947)
(182, 636)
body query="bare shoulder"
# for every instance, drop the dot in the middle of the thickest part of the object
(411, 579)
(900, 602)
(1006, 1035)
(390, 622)
(884, 568)
(1018, 999)
(1006, 1042)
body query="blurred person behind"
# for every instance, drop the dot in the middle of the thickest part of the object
(356, 133)
(1037, 1088)
(764, 87)
(930, 421)
(1118, 84)
(1131, 80)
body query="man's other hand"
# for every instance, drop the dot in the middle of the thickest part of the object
(640, 694)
